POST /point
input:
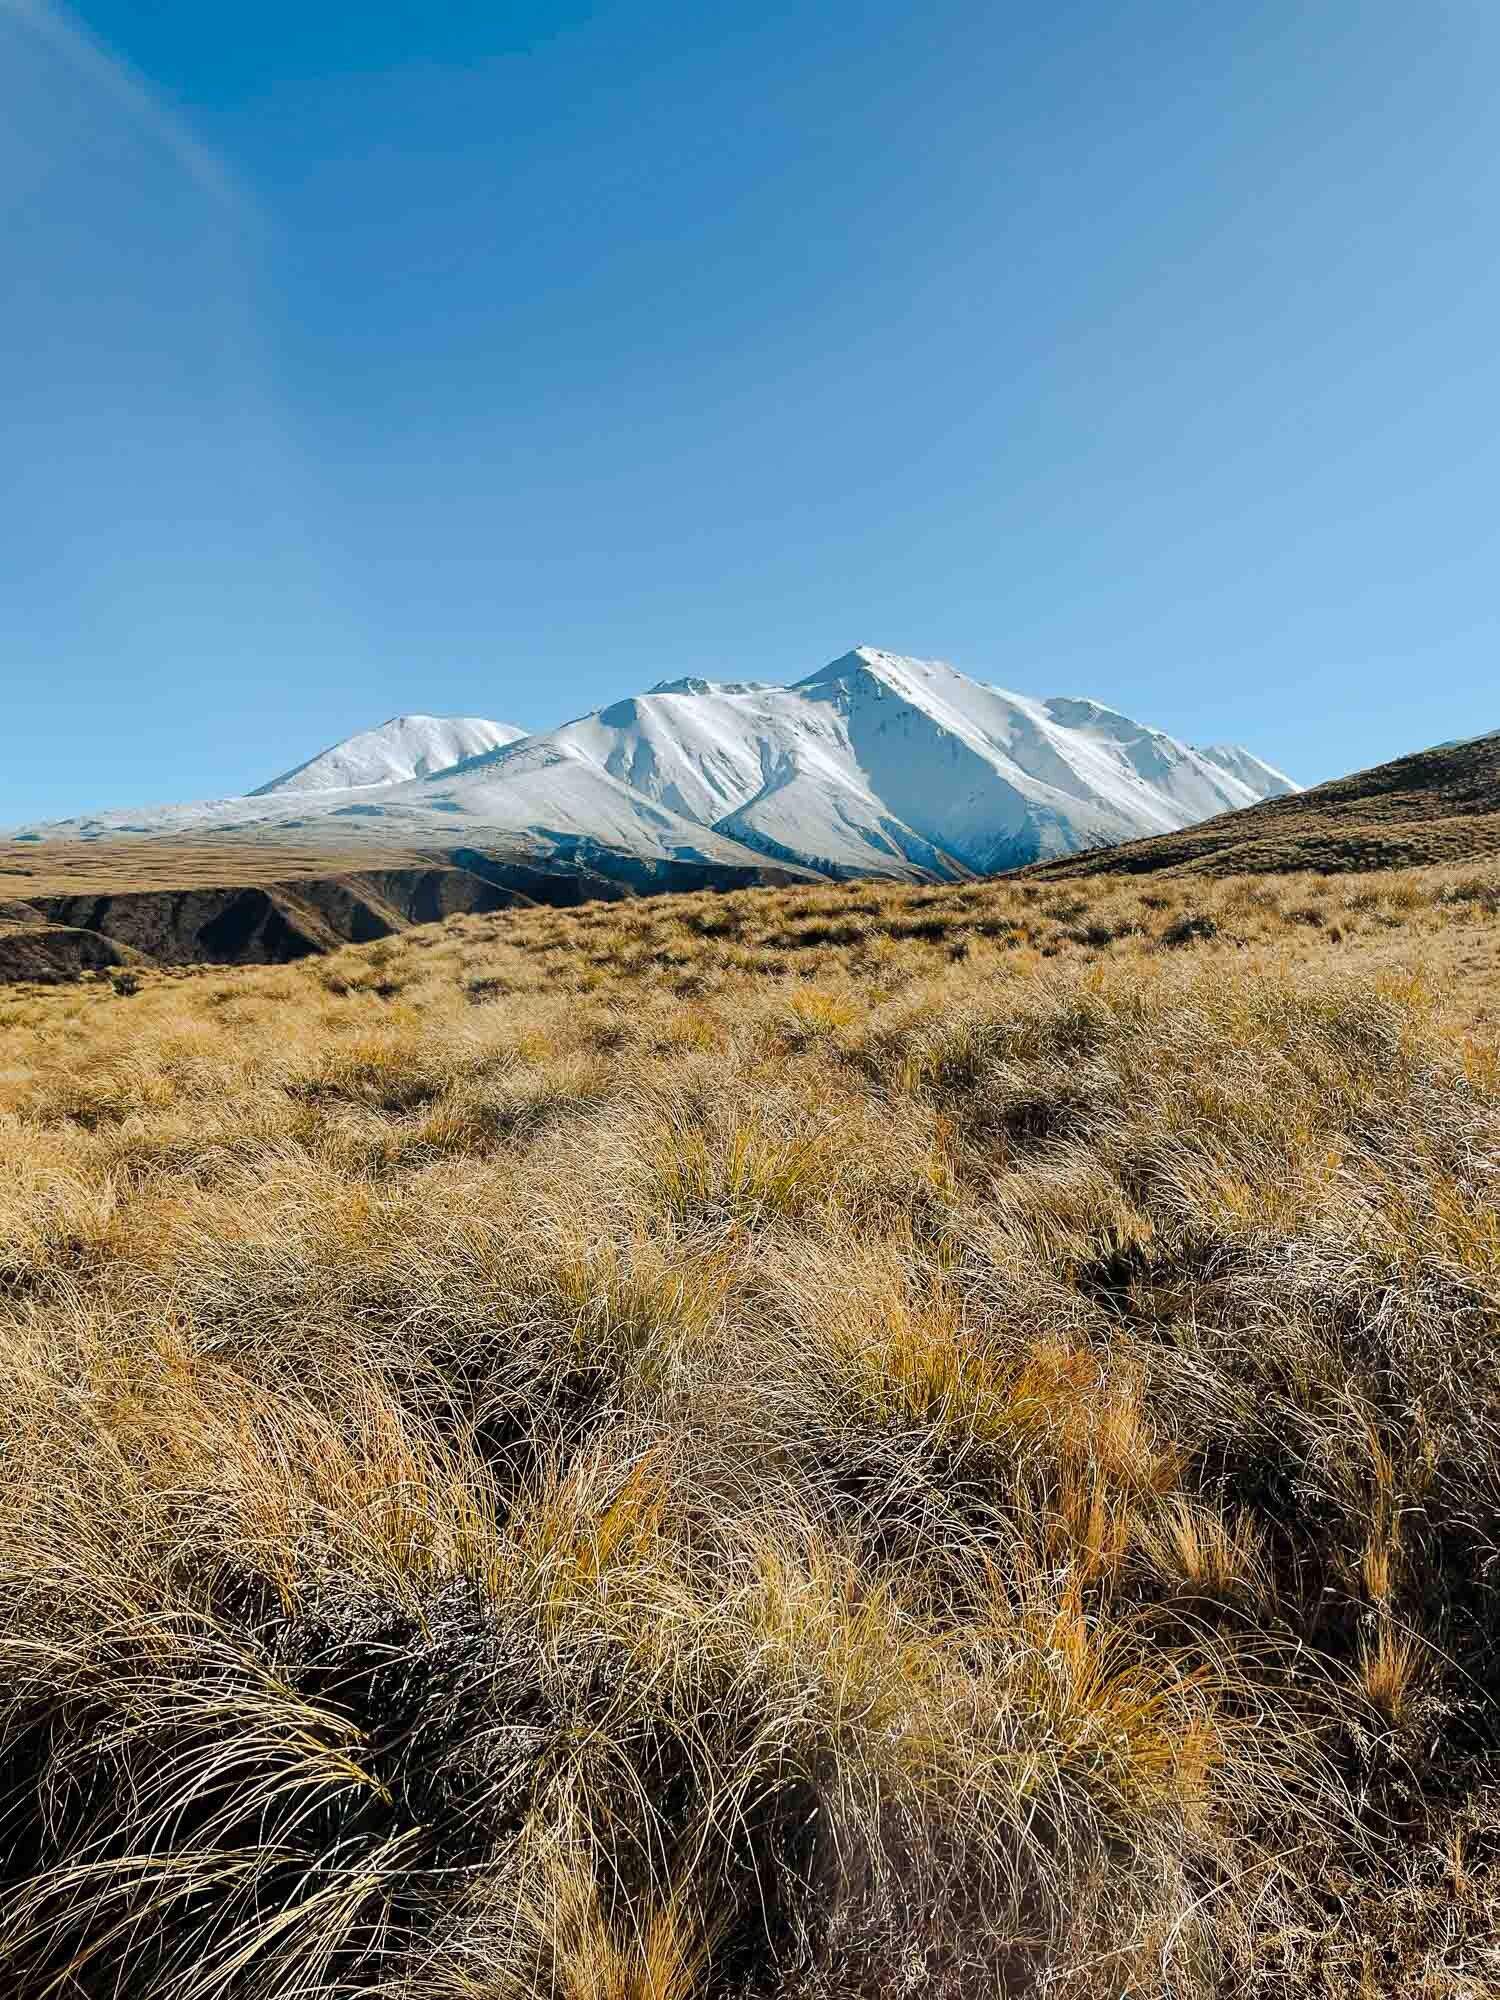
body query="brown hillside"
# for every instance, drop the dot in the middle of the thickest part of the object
(1440, 805)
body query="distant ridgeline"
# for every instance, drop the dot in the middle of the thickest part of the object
(875, 765)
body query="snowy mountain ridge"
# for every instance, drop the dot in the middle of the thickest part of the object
(874, 764)
(406, 747)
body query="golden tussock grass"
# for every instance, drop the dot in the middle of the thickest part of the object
(810, 1444)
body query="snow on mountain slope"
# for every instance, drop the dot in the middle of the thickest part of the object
(875, 764)
(553, 808)
(885, 764)
(755, 765)
(546, 789)
(1263, 779)
(406, 747)
(997, 778)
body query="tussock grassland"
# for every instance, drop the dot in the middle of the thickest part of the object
(813, 1444)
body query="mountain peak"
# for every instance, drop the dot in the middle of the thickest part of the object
(399, 749)
(895, 669)
(878, 763)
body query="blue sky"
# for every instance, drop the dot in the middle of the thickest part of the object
(503, 359)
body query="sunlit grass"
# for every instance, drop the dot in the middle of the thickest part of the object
(790, 1446)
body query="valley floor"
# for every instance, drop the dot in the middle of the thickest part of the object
(815, 1443)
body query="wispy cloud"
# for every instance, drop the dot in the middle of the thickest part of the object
(133, 95)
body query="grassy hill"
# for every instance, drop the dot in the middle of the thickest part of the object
(809, 1444)
(1437, 805)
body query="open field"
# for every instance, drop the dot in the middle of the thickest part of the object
(816, 1443)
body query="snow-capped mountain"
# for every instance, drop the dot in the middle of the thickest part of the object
(406, 747)
(875, 764)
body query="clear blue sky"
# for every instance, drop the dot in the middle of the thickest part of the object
(501, 359)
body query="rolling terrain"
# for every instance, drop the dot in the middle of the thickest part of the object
(241, 897)
(874, 766)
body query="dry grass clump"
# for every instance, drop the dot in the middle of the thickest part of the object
(815, 1444)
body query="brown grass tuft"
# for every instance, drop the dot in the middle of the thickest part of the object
(791, 1446)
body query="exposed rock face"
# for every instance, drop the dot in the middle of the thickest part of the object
(276, 922)
(51, 936)
(589, 872)
(45, 954)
